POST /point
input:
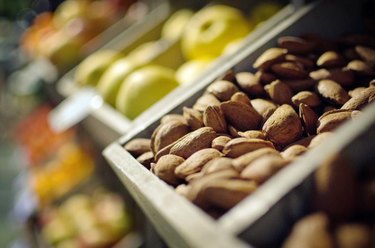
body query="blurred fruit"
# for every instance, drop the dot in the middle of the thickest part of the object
(173, 28)
(263, 11)
(145, 52)
(192, 69)
(143, 88)
(90, 70)
(69, 10)
(211, 29)
(111, 80)
(232, 46)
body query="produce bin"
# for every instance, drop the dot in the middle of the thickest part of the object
(114, 124)
(265, 216)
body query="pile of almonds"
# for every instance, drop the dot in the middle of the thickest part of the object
(247, 126)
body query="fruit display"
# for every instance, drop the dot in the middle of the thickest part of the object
(99, 219)
(60, 36)
(189, 42)
(342, 207)
(249, 125)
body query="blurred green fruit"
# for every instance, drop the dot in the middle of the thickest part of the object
(263, 11)
(91, 69)
(111, 80)
(211, 29)
(143, 88)
(192, 69)
(174, 26)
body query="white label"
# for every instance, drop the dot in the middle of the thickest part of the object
(74, 109)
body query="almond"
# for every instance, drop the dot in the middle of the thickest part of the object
(289, 70)
(307, 63)
(222, 90)
(261, 169)
(172, 117)
(241, 116)
(367, 54)
(239, 146)
(233, 131)
(264, 107)
(359, 101)
(356, 92)
(217, 164)
(295, 45)
(193, 117)
(204, 101)
(265, 77)
(306, 97)
(146, 159)
(243, 161)
(165, 167)
(250, 84)
(193, 142)
(293, 151)
(320, 138)
(331, 120)
(213, 117)
(167, 133)
(241, 97)
(330, 59)
(196, 161)
(279, 92)
(219, 142)
(283, 126)
(269, 57)
(300, 84)
(137, 147)
(360, 67)
(309, 118)
(342, 76)
(252, 134)
(332, 92)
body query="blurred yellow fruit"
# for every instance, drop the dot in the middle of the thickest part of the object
(174, 26)
(192, 69)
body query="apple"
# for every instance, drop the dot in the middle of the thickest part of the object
(69, 10)
(111, 80)
(263, 11)
(89, 70)
(174, 26)
(232, 46)
(192, 69)
(211, 29)
(143, 88)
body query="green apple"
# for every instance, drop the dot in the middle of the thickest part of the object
(211, 29)
(192, 69)
(143, 88)
(111, 80)
(89, 70)
(174, 26)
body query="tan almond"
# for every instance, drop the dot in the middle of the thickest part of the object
(222, 90)
(360, 67)
(359, 101)
(303, 141)
(250, 84)
(146, 159)
(342, 76)
(193, 117)
(309, 118)
(269, 57)
(196, 161)
(217, 164)
(233, 131)
(331, 120)
(261, 169)
(264, 107)
(193, 142)
(332, 92)
(183, 189)
(243, 161)
(293, 151)
(228, 76)
(167, 133)
(283, 126)
(296, 45)
(213, 117)
(137, 147)
(306, 97)
(356, 91)
(239, 146)
(319, 138)
(289, 70)
(226, 193)
(279, 92)
(252, 134)
(204, 101)
(330, 59)
(241, 116)
(320, 74)
(165, 167)
(241, 97)
(219, 142)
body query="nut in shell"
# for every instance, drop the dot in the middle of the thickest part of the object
(217, 164)
(289, 70)
(239, 146)
(252, 134)
(243, 161)
(332, 119)
(250, 84)
(241, 97)
(309, 98)
(204, 101)
(193, 117)
(360, 67)
(269, 57)
(279, 92)
(146, 159)
(330, 59)
(241, 116)
(332, 92)
(213, 117)
(219, 142)
(137, 147)
(309, 118)
(222, 90)
(264, 107)
(165, 167)
(296, 45)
